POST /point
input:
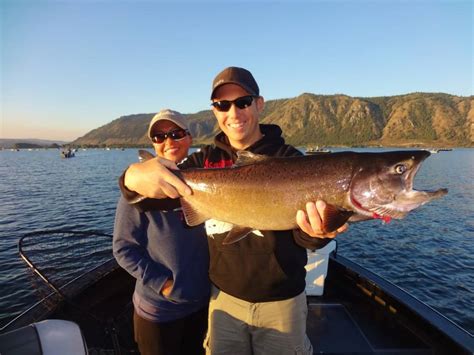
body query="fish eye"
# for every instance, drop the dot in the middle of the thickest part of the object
(400, 169)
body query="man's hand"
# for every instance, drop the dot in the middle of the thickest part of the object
(153, 179)
(314, 226)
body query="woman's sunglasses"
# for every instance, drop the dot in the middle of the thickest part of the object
(240, 102)
(175, 135)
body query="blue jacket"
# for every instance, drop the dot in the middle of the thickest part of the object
(154, 246)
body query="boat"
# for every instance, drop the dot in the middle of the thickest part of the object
(350, 309)
(68, 153)
(317, 150)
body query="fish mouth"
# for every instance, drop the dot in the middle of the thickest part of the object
(409, 200)
(418, 157)
(405, 202)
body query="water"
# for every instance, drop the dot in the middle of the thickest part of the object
(429, 254)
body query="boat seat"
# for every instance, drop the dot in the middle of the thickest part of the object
(49, 337)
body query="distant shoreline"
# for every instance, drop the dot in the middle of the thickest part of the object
(392, 145)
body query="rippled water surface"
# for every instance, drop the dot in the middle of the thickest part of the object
(429, 254)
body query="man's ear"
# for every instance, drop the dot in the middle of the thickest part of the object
(260, 102)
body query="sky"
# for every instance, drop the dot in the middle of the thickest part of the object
(71, 66)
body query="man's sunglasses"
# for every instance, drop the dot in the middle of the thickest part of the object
(175, 135)
(240, 102)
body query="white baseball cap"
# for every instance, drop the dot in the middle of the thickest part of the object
(168, 115)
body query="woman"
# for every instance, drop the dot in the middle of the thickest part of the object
(169, 259)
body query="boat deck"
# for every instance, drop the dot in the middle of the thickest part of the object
(353, 316)
(334, 329)
(363, 314)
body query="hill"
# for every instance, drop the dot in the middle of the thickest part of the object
(431, 119)
(21, 143)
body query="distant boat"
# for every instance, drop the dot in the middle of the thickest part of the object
(317, 150)
(437, 150)
(68, 153)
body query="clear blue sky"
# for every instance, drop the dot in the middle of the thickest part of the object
(68, 67)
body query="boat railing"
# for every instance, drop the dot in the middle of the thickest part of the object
(62, 263)
(75, 276)
(57, 257)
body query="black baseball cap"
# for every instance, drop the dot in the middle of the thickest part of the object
(238, 76)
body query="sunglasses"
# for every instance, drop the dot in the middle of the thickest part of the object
(240, 102)
(175, 135)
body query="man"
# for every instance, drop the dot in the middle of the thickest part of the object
(169, 260)
(258, 304)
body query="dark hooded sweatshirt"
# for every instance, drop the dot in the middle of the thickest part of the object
(254, 269)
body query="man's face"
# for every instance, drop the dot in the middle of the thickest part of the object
(239, 125)
(175, 150)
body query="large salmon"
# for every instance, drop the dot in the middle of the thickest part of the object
(264, 193)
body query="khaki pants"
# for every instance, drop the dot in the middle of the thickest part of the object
(240, 327)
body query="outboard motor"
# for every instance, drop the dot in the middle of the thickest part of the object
(48, 337)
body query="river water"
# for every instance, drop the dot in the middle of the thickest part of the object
(429, 254)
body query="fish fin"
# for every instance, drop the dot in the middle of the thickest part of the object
(334, 218)
(245, 157)
(144, 155)
(235, 234)
(191, 215)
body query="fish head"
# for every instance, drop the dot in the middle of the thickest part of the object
(382, 187)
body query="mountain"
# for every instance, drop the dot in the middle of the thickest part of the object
(431, 119)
